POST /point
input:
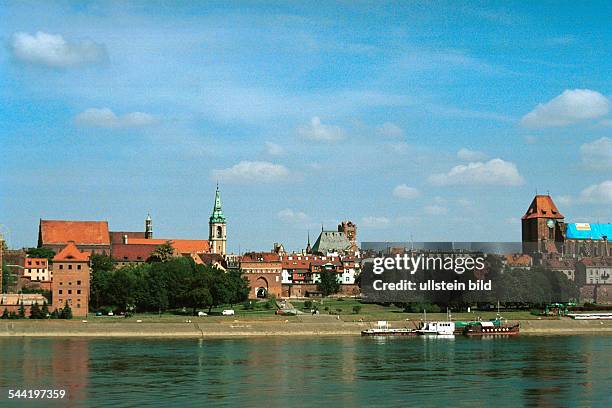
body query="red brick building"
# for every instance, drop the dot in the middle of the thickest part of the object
(71, 280)
(263, 271)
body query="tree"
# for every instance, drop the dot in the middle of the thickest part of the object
(21, 313)
(41, 253)
(162, 253)
(329, 283)
(101, 269)
(35, 311)
(66, 312)
(44, 312)
(5, 314)
(55, 314)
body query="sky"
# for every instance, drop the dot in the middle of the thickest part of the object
(416, 120)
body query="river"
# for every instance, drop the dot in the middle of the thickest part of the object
(331, 372)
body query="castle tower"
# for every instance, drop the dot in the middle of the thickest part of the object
(217, 234)
(542, 226)
(350, 230)
(148, 227)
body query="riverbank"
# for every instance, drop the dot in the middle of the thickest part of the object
(248, 328)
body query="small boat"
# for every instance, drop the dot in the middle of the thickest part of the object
(491, 329)
(437, 328)
(382, 329)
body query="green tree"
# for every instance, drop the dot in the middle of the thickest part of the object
(101, 269)
(66, 312)
(35, 311)
(55, 314)
(21, 313)
(41, 253)
(44, 312)
(5, 314)
(163, 253)
(329, 283)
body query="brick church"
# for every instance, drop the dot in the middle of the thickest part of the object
(545, 233)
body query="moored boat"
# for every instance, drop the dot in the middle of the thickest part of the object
(491, 329)
(382, 329)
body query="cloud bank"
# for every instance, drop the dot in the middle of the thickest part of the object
(106, 118)
(494, 172)
(53, 50)
(572, 106)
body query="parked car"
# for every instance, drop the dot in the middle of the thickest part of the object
(228, 312)
(202, 314)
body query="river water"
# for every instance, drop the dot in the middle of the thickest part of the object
(295, 372)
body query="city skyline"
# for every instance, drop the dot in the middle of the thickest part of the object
(412, 120)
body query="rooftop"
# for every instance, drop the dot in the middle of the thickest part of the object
(81, 232)
(542, 206)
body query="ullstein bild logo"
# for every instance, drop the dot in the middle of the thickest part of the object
(458, 276)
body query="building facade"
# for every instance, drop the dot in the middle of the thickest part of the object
(37, 269)
(71, 280)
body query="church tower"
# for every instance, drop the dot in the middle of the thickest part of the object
(148, 227)
(542, 226)
(217, 234)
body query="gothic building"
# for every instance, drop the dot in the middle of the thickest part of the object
(545, 233)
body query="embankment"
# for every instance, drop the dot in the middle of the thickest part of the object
(245, 328)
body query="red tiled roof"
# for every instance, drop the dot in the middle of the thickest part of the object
(518, 260)
(116, 237)
(296, 264)
(30, 262)
(71, 253)
(132, 252)
(81, 232)
(261, 257)
(183, 246)
(542, 206)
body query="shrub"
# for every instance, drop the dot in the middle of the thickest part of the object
(308, 304)
(357, 309)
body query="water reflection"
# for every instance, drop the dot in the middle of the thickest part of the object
(277, 371)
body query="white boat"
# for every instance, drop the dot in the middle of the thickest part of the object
(437, 328)
(590, 316)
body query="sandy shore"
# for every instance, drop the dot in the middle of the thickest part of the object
(246, 328)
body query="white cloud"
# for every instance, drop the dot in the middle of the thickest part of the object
(54, 51)
(597, 154)
(104, 117)
(375, 222)
(290, 216)
(435, 210)
(274, 149)
(403, 191)
(564, 200)
(389, 129)
(598, 193)
(470, 155)
(572, 106)
(255, 171)
(493, 172)
(399, 147)
(316, 130)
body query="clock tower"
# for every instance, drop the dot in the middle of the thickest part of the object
(217, 231)
(542, 226)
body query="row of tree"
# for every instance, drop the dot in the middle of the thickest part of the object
(38, 312)
(164, 283)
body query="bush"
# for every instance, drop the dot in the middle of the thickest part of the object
(326, 308)
(340, 299)
(308, 304)
(247, 305)
(357, 309)
(338, 310)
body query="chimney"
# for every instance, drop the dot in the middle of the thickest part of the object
(125, 239)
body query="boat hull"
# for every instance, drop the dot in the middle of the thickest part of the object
(492, 331)
(387, 333)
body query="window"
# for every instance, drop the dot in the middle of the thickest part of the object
(78, 266)
(70, 291)
(61, 266)
(78, 305)
(78, 282)
(69, 266)
(60, 291)
(78, 291)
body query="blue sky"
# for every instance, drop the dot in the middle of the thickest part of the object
(436, 120)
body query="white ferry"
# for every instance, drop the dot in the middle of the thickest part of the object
(437, 328)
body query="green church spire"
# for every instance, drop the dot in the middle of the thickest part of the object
(217, 214)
